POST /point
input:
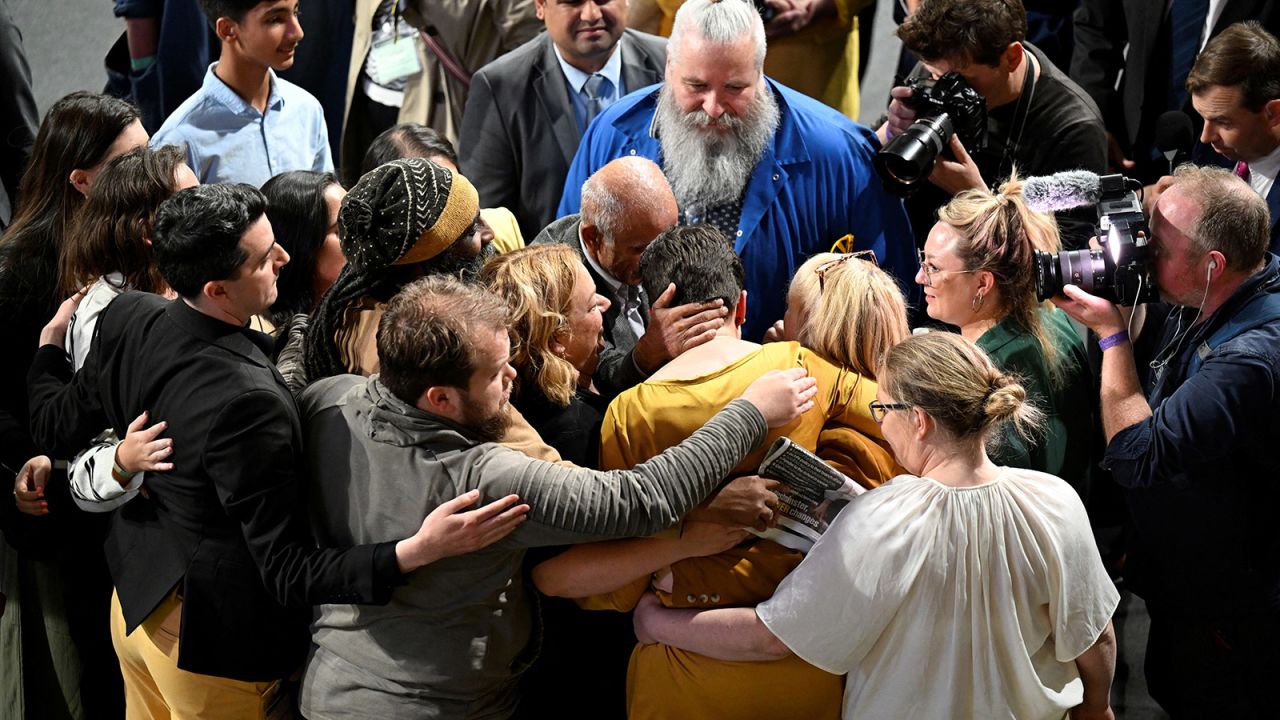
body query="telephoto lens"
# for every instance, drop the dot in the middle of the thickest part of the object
(909, 158)
(944, 107)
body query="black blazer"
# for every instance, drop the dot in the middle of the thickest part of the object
(617, 370)
(1104, 27)
(519, 133)
(226, 525)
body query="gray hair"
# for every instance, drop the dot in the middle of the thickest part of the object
(608, 202)
(1233, 219)
(718, 21)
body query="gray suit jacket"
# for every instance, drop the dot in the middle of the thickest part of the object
(617, 370)
(519, 133)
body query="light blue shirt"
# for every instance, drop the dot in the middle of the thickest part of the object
(228, 140)
(575, 78)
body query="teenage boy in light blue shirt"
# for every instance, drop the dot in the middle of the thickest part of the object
(245, 124)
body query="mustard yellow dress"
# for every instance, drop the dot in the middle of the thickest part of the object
(666, 682)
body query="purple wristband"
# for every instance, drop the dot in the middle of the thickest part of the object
(1111, 341)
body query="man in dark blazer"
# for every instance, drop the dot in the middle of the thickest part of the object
(216, 564)
(1105, 28)
(526, 111)
(625, 205)
(1235, 87)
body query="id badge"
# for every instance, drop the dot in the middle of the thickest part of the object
(393, 59)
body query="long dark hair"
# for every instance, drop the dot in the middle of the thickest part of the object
(108, 234)
(300, 220)
(76, 133)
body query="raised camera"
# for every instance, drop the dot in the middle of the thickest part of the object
(1120, 272)
(944, 107)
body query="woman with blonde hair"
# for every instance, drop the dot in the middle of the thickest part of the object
(556, 338)
(977, 273)
(960, 589)
(826, 292)
(707, 563)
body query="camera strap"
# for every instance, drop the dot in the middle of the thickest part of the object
(1020, 111)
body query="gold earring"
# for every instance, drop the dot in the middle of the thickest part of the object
(978, 300)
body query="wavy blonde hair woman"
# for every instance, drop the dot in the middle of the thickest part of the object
(847, 310)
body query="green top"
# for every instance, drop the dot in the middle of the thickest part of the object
(1064, 447)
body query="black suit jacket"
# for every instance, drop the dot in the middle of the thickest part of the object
(519, 133)
(617, 370)
(1104, 27)
(226, 525)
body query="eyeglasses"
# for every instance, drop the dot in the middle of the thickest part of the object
(822, 270)
(879, 409)
(930, 269)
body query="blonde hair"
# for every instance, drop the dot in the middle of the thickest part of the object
(853, 313)
(1000, 234)
(954, 381)
(537, 284)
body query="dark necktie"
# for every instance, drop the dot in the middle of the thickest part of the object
(1242, 170)
(1186, 24)
(624, 336)
(595, 88)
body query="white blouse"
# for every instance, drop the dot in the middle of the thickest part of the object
(942, 602)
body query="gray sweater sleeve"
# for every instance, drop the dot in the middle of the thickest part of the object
(570, 504)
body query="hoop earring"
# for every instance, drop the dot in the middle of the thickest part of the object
(978, 300)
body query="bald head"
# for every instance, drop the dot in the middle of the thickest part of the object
(625, 205)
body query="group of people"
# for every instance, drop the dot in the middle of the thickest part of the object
(479, 432)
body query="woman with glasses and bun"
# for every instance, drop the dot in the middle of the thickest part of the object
(960, 589)
(976, 272)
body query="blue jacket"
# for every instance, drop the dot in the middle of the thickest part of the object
(814, 184)
(1199, 474)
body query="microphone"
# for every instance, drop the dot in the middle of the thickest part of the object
(1062, 191)
(1174, 137)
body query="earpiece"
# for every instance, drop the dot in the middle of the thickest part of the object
(1213, 265)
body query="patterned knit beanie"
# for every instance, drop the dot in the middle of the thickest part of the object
(405, 212)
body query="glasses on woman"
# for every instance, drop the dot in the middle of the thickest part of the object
(822, 270)
(930, 269)
(879, 409)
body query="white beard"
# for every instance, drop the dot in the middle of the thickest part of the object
(706, 167)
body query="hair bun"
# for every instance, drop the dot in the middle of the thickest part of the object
(1005, 397)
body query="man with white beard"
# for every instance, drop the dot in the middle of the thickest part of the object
(781, 174)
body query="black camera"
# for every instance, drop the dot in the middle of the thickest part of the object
(944, 107)
(1120, 272)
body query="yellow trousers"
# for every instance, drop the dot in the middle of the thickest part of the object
(155, 689)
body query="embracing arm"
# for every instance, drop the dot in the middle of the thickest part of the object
(576, 505)
(722, 633)
(602, 567)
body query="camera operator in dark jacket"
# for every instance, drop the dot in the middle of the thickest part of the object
(1037, 119)
(1194, 450)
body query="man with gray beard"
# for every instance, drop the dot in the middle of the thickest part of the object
(781, 174)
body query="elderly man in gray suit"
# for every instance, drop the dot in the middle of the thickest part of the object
(527, 110)
(625, 205)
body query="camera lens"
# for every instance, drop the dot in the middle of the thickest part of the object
(908, 158)
(1086, 269)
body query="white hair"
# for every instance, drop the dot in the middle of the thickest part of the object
(721, 22)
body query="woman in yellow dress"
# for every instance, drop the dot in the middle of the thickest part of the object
(666, 682)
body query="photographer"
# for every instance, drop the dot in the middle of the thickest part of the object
(1037, 118)
(1192, 449)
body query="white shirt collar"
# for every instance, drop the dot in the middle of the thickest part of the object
(1265, 169)
(612, 70)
